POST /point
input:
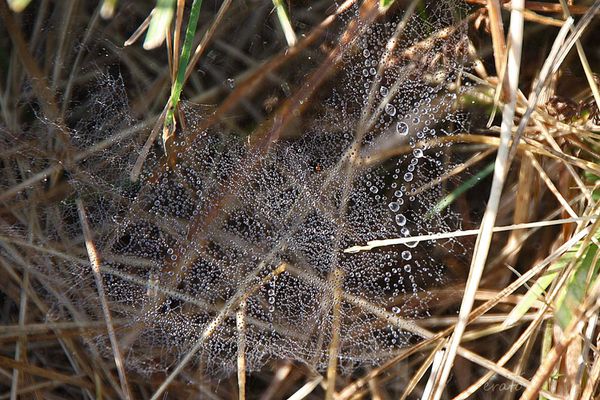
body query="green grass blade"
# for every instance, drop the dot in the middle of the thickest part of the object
(575, 290)
(385, 4)
(284, 21)
(177, 87)
(450, 198)
(536, 292)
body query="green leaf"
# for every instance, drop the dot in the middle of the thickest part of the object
(284, 21)
(575, 290)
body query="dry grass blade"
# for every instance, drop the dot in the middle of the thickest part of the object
(334, 346)
(500, 170)
(421, 371)
(448, 235)
(95, 264)
(45, 373)
(240, 316)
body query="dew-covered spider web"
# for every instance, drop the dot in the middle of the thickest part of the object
(229, 234)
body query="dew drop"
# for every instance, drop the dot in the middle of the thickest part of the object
(402, 128)
(390, 109)
(400, 219)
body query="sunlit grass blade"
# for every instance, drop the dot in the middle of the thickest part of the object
(284, 21)
(161, 20)
(385, 4)
(18, 5)
(108, 8)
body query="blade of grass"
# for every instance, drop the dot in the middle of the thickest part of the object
(177, 87)
(240, 317)
(537, 290)
(466, 186)
(18, 5)
(487, 225)
(160, 22)
(140, 30)
(95, 263)
(334, 346)
(448, 235)
(284, 21)
(108, 8)
(576, 287)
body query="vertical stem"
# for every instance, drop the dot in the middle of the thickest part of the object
(482, 246)
(240, 317)
(95, 263)
(334, 345)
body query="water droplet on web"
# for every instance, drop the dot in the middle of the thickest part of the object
(373, 189)
(408, 176)
(383, 90)
(394, 206)
(402, 128)
(390, 109)
(400, 219)
(407, 268)
(406, 255)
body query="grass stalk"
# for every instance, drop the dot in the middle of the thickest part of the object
(489, 218)
(240, 316)
(95, 264)
(334, 345)
(177, 87)
(284, 21)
